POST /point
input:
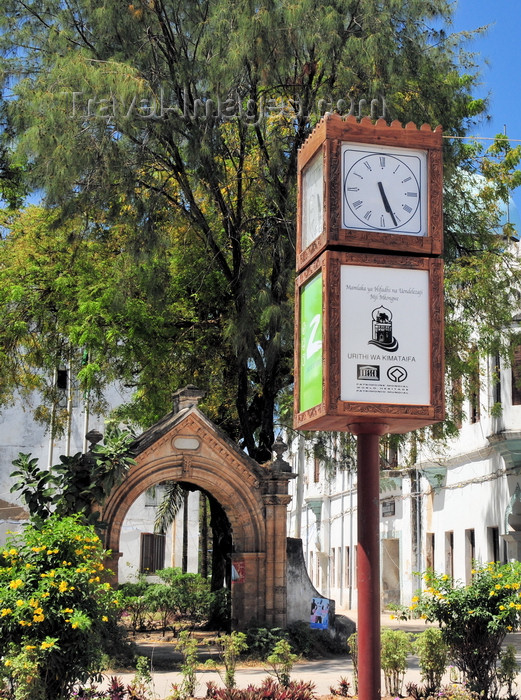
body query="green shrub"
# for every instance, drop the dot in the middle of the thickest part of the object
(312, 643)
(56, 612)
(508, 669)
(159, 599)
(282, 660)
(187, 645)
(475, 618)
(433, 654)
(260, 641)
(352, 644)
(232, 646)
(191, 594)
(396, 645)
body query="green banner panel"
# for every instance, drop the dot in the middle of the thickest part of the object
(311, 343)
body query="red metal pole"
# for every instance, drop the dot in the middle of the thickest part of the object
(368, 577)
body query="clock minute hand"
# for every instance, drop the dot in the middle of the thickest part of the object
(387, 206)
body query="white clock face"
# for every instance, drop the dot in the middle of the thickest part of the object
(313, 200)
(384, 189)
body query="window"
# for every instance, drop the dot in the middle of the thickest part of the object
(474, 397)
(457, 401)
(449, 554)
(516, 376)
(388, 453)
(470, 553)
(347, 569)
(316, 473)
(430, 551)
(493, 544)
(496, 371)
(388, 508)
(61, 379)
(152, 553)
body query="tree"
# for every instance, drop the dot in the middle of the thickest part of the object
(180, 125)
(76, 487)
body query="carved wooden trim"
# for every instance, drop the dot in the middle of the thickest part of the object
(331, 132)
(335, 414)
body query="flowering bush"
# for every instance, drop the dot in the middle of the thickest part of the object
(56, 611)
(475, 618)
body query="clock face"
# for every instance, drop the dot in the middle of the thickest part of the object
(384, 189)
(313, 200)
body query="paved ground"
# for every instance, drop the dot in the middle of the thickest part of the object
(323, 673)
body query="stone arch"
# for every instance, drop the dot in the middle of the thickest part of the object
(185, 446)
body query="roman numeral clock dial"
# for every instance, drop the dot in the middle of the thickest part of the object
(384, 190)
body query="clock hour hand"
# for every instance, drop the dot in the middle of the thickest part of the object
(387, 206)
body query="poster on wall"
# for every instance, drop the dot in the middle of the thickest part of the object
(238, 571)
(319, 618)
(384, 335)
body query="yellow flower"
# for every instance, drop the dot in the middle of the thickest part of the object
(38, 618)
(46, 645)
(501, 607)
(498, 586)
(68, 610)
(29, 647)
(8, 662)
(6, 611)
(16, 583)
(75, 625)
(106, 619)
(19, 603)
(63, 586)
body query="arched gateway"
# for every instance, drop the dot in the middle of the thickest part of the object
(185, 446)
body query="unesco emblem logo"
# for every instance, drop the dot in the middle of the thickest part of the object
(368, 373)
(397, 374)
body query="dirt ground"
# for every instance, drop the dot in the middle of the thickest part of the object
(165, 658)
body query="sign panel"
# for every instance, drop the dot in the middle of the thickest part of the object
(385, 335)
(311, 341)
(313, 200)
(369, 342)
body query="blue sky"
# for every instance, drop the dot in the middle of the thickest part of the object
(499, 52)
(500, 59)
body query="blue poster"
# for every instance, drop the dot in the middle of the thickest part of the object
(319, 613)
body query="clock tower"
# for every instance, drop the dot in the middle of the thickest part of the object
(369, 302)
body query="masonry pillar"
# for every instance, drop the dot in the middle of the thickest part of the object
(247, 590)
(276, 499)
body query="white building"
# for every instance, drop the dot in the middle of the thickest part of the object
(452, 504)
(142, 550)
